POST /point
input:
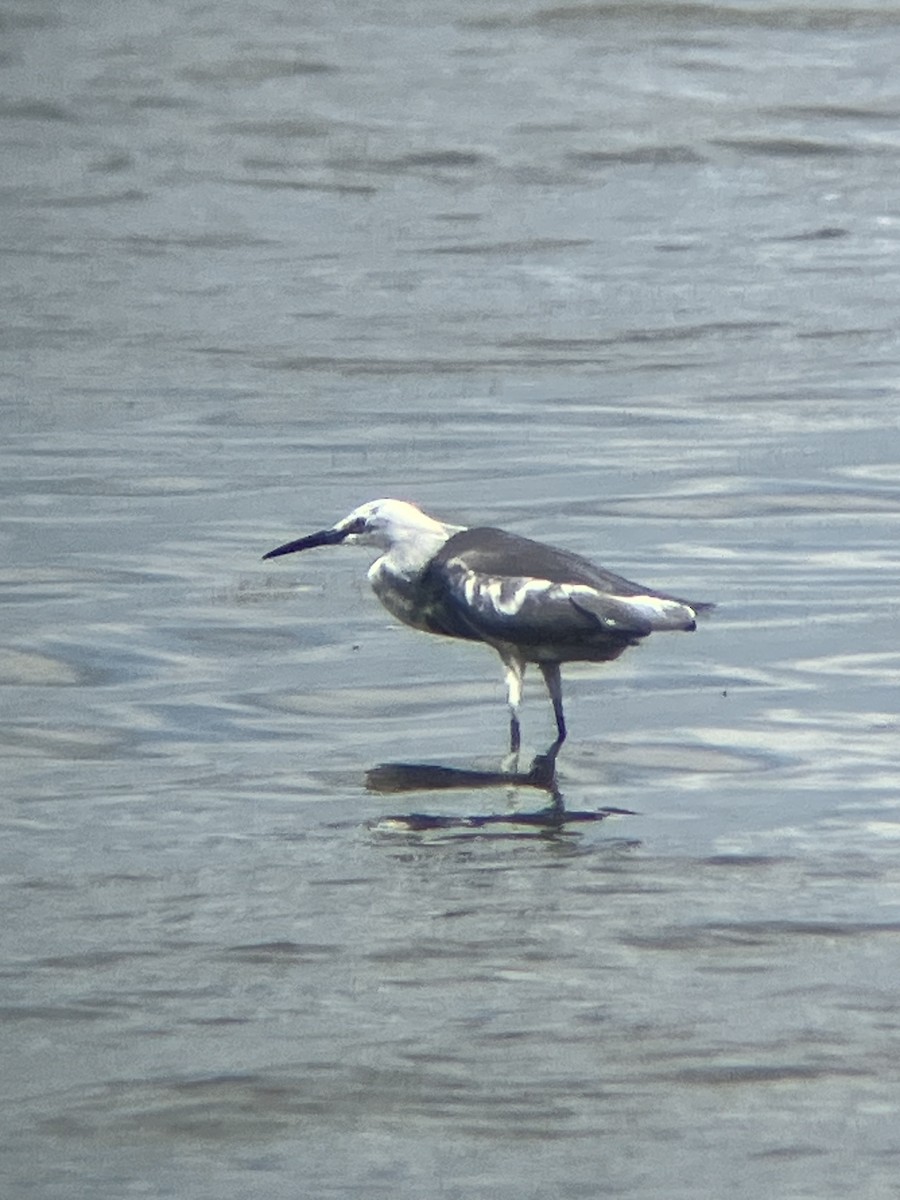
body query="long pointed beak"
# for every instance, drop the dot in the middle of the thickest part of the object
(325, 537)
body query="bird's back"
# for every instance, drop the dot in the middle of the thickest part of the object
(495, 552)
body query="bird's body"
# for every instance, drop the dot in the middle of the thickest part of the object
(531, 602)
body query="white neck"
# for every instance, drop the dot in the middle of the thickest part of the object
(412, 549)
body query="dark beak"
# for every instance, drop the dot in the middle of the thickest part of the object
(325, 537)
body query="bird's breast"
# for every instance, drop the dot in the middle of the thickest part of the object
(408, 598)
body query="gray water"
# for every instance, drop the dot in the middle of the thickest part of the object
(623, 277)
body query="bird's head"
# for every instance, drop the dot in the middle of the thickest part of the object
(382, 524)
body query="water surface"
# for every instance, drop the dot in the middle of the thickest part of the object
(618, 276)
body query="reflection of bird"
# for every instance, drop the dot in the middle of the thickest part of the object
(531, 602)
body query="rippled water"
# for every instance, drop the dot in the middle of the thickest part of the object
(618, 276)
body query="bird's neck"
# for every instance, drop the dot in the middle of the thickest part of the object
(409, 554)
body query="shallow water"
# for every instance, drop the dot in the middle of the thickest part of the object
(621, 277)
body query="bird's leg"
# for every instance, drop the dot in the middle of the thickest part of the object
(553, 680)
(515, 676)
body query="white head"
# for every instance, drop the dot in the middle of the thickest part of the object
(384, 524)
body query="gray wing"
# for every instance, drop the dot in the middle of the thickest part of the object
(495, 552)
(492, 585)
(537, 612)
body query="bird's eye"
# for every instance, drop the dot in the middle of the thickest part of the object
(357, 526)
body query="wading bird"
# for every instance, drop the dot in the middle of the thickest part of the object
(531, 602)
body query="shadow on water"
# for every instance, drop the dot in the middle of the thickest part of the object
(399, 778)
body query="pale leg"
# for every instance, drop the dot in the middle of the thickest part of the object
(515, 676)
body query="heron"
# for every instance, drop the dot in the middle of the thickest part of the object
(531, 602)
